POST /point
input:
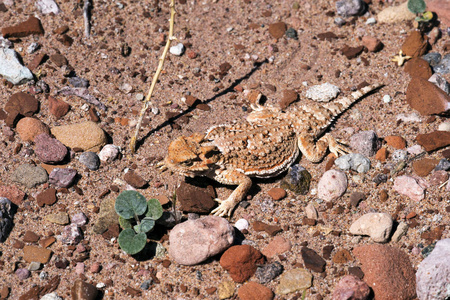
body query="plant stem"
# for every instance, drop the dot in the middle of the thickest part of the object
(155, 77)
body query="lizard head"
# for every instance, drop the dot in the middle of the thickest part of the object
(189, 157)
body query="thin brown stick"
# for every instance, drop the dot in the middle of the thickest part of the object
(155, 77)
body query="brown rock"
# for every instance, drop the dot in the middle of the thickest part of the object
(277, 193)
(191, 100)
(59, 60)
(438, 178)
(388, 271)
(34, 253)
(277, 30)
(83, 291)
(47, 241)
(20, 104)
(289, 96)
(4, 293)
(424, 166)
(29, 27)
(415, 45)
(342, 256)
(326, 251)
(426, 97)
(61, 29)
(381, 154)
(372, 43)
(327, 36)
(277, 246)
(135, 180)
(37, 60)
(255, 291)
(395, 141)
(28, 128)
(195, 199)
(46, 197)
(57, 107)
(351, 52)
(30, 237)
(163, 200)
(418, 67)
(93, 115)
(13, 193)
(434, 140)
(191, 54)
(312, 260)
(241, 261)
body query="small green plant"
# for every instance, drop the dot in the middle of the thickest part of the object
(418, 7)
(137, 217)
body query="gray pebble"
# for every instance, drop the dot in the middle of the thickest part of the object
(291, 33)
(267, 273)
(29, 175)
(178, 49)
(339, 21)
(440, 82)
(146, 284)
(79, 82)
(33, 47)
(6, 217)
(444, 65)
(433, 58)
(79, 219)
(23, 273)
(90, 160)
(380, 178)
(444, 164)
(354, 161)
(348, 8)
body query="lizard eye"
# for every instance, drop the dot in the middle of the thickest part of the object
(187, 163)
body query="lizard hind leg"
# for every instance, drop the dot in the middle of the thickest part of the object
(315, 150)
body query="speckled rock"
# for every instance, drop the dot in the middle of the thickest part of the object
(194, 241)
(388, 271)
(49, 150)
(347, 8)
(365, 142)
(29, 175)
(408, 186)
(28, 128)
(439, 81)
(432, 277)
(241, 261)
(332, 185)
(268, 272)
(294, 280)
(6, 218)
(355, 161)
(443, 165)
(323, 92)
(351, 287)
(90, 160)
(376, 225)
(87, 136)
(297, 180)
(444, 65)
(71, 235)
(253, 290)
(62, 177)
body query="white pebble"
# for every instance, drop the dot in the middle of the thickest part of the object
(414, 150)
(33, 47)
(323, 92)
(85, 107)
(100, 285)
(109, 153)
(178, 49)
(387, 98)
(332, 185)
(51, 296)
(241, 224)
(139, 96)
(371, 21)
(376, 225)
(444, 126)
(155, 110)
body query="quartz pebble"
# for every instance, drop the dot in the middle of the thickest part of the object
(332, 185)
(46, 7)
(12, 69)
(348, 8)
(194, 241)
(444, 126)
(79, 219)
(433, 273)
(51, 296)
(71, 235)
(109, 153)
(376, 225)
(177, 49)
(408, 186)
(294, 280)
(355, 161)
(323, 92)
(241, 224)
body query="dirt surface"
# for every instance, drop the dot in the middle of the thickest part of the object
(233, 32)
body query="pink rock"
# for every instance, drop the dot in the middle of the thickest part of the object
(79, 268)
(372, 43)
(95, 268)
(438, 178)
(332, 185)
(194, 241)
(388, 271)
(13, 193)
(408, 186)
(351, 287)
(49, 150)
(277, 246)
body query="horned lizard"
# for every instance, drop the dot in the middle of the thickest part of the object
(264, 146)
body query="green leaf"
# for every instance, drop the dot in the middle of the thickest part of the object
(124, 223)
(146, 225)
(130, 204)
(417, 6)
(130, 242)
(155, 209)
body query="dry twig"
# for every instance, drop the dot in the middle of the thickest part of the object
(155, 77)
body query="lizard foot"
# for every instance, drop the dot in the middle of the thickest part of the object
(337, 147)
(224, 209)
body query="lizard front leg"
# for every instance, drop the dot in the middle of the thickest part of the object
(231, 177)
(315, 150)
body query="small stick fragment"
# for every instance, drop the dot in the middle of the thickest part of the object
(82, 93)
(87, 17)
(155, 77)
